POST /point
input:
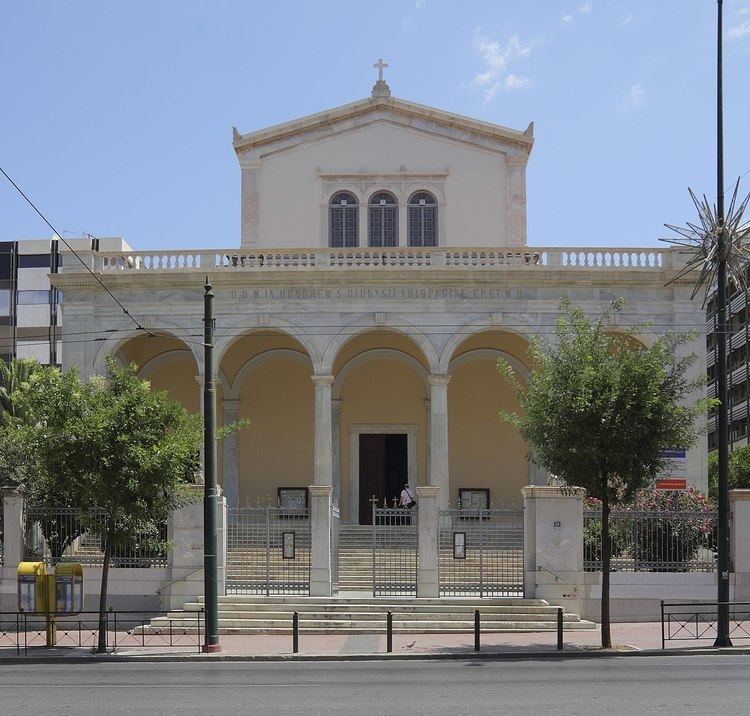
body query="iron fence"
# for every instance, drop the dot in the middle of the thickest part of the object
(64, 534)
(22, 631)
(688, 621)
(394, 551)
(653, 541)
(268, 550)
(480, 552)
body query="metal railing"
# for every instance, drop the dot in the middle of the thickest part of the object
(688, 621)
(63, 534)
(394, 551)
(652, 541)
(124, 630)
(268, 550)
(480, 552)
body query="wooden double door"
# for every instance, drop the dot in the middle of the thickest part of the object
(383, 471)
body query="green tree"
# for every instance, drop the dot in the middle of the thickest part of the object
(112, 447)
(599, 408)
(14, 375)
(739, 471)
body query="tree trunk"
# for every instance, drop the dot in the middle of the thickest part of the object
(606, 562)
(102, 645)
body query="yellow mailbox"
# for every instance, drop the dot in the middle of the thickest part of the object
(32, 587)
(68, 588)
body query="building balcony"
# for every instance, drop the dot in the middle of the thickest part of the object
(333, 259)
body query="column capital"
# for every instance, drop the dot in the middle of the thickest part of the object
(428, 491)
(320, 490)
(438, 379)
(323, 381)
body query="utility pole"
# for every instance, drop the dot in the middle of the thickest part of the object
(210, 542)
(722, 622)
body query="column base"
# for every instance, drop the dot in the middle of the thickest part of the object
(211, 648)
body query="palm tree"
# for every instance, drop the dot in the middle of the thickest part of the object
(14, 374)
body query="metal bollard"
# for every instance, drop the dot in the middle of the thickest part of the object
(560, 629)
(295, 633)
(389, 633)
(476, 630)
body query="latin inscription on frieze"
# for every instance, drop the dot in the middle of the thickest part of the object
(404, 293)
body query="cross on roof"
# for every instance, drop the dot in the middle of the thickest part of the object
(379, 66)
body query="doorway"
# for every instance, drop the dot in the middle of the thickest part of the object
(383, 470)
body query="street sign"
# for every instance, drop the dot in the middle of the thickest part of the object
(671, 483)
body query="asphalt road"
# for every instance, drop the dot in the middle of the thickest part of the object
(663, 685)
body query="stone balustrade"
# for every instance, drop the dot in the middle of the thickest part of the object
(533, 258)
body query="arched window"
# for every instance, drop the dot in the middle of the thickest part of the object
(343, 224)
(423, 229)
(383, 224)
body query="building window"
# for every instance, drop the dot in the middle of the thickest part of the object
(343, 224)
(423, 229)
(33, 298)
(4, 303)
(34, 261)
(383, 220)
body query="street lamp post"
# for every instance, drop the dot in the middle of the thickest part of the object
(210, 494)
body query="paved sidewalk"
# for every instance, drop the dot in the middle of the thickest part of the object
(625, 637)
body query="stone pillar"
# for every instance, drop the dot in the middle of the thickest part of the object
(13, 504)
(320, 537)
(230, 464)
(323, 474)
(427, 569)
(250, 219)
(336, 449)
(439, 459)
(428, 408)
(185, 532)
(553, 545)
(739, 501)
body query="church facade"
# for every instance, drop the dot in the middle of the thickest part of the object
(383, 268)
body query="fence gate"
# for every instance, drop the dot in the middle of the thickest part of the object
(394, 551)
(480, 552)
(268, 550)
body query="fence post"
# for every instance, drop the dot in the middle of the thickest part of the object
(185, 557)
(320, 539)
(553, 545)
(13, 508)
(295, 633)
(559, 628)
(477, 645)
(427, 548)
(389, 632)
(739, 502)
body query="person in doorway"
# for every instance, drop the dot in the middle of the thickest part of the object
(407, 497)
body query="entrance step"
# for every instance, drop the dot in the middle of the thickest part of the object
(250, 614)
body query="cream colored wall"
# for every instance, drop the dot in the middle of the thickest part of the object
(246, 347)
(277, 449)
(177, 377)
(290, 190)
(511, 343)
(382, 391)
(380, 338)
(142, 349)
(484, 452)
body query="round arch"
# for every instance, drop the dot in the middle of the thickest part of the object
(374, 354)
(356, 327)
(494, 353)
(277, 325)
(476, 327)
(233, 392)
(100, 361)
(155, 363)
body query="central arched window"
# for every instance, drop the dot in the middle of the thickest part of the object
(343, 223)
(423, 225)
(383, 223)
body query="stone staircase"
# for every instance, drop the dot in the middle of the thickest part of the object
(355, 558)
(246, 614)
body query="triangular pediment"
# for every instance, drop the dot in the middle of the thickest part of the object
(375, 110)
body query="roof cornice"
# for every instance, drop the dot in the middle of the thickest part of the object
(271, 135)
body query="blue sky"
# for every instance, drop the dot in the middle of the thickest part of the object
(116, 116)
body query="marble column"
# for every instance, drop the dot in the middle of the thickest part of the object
(230, 465)
(336, 458)
(323, 471)
(428, 408)
(439, 458)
